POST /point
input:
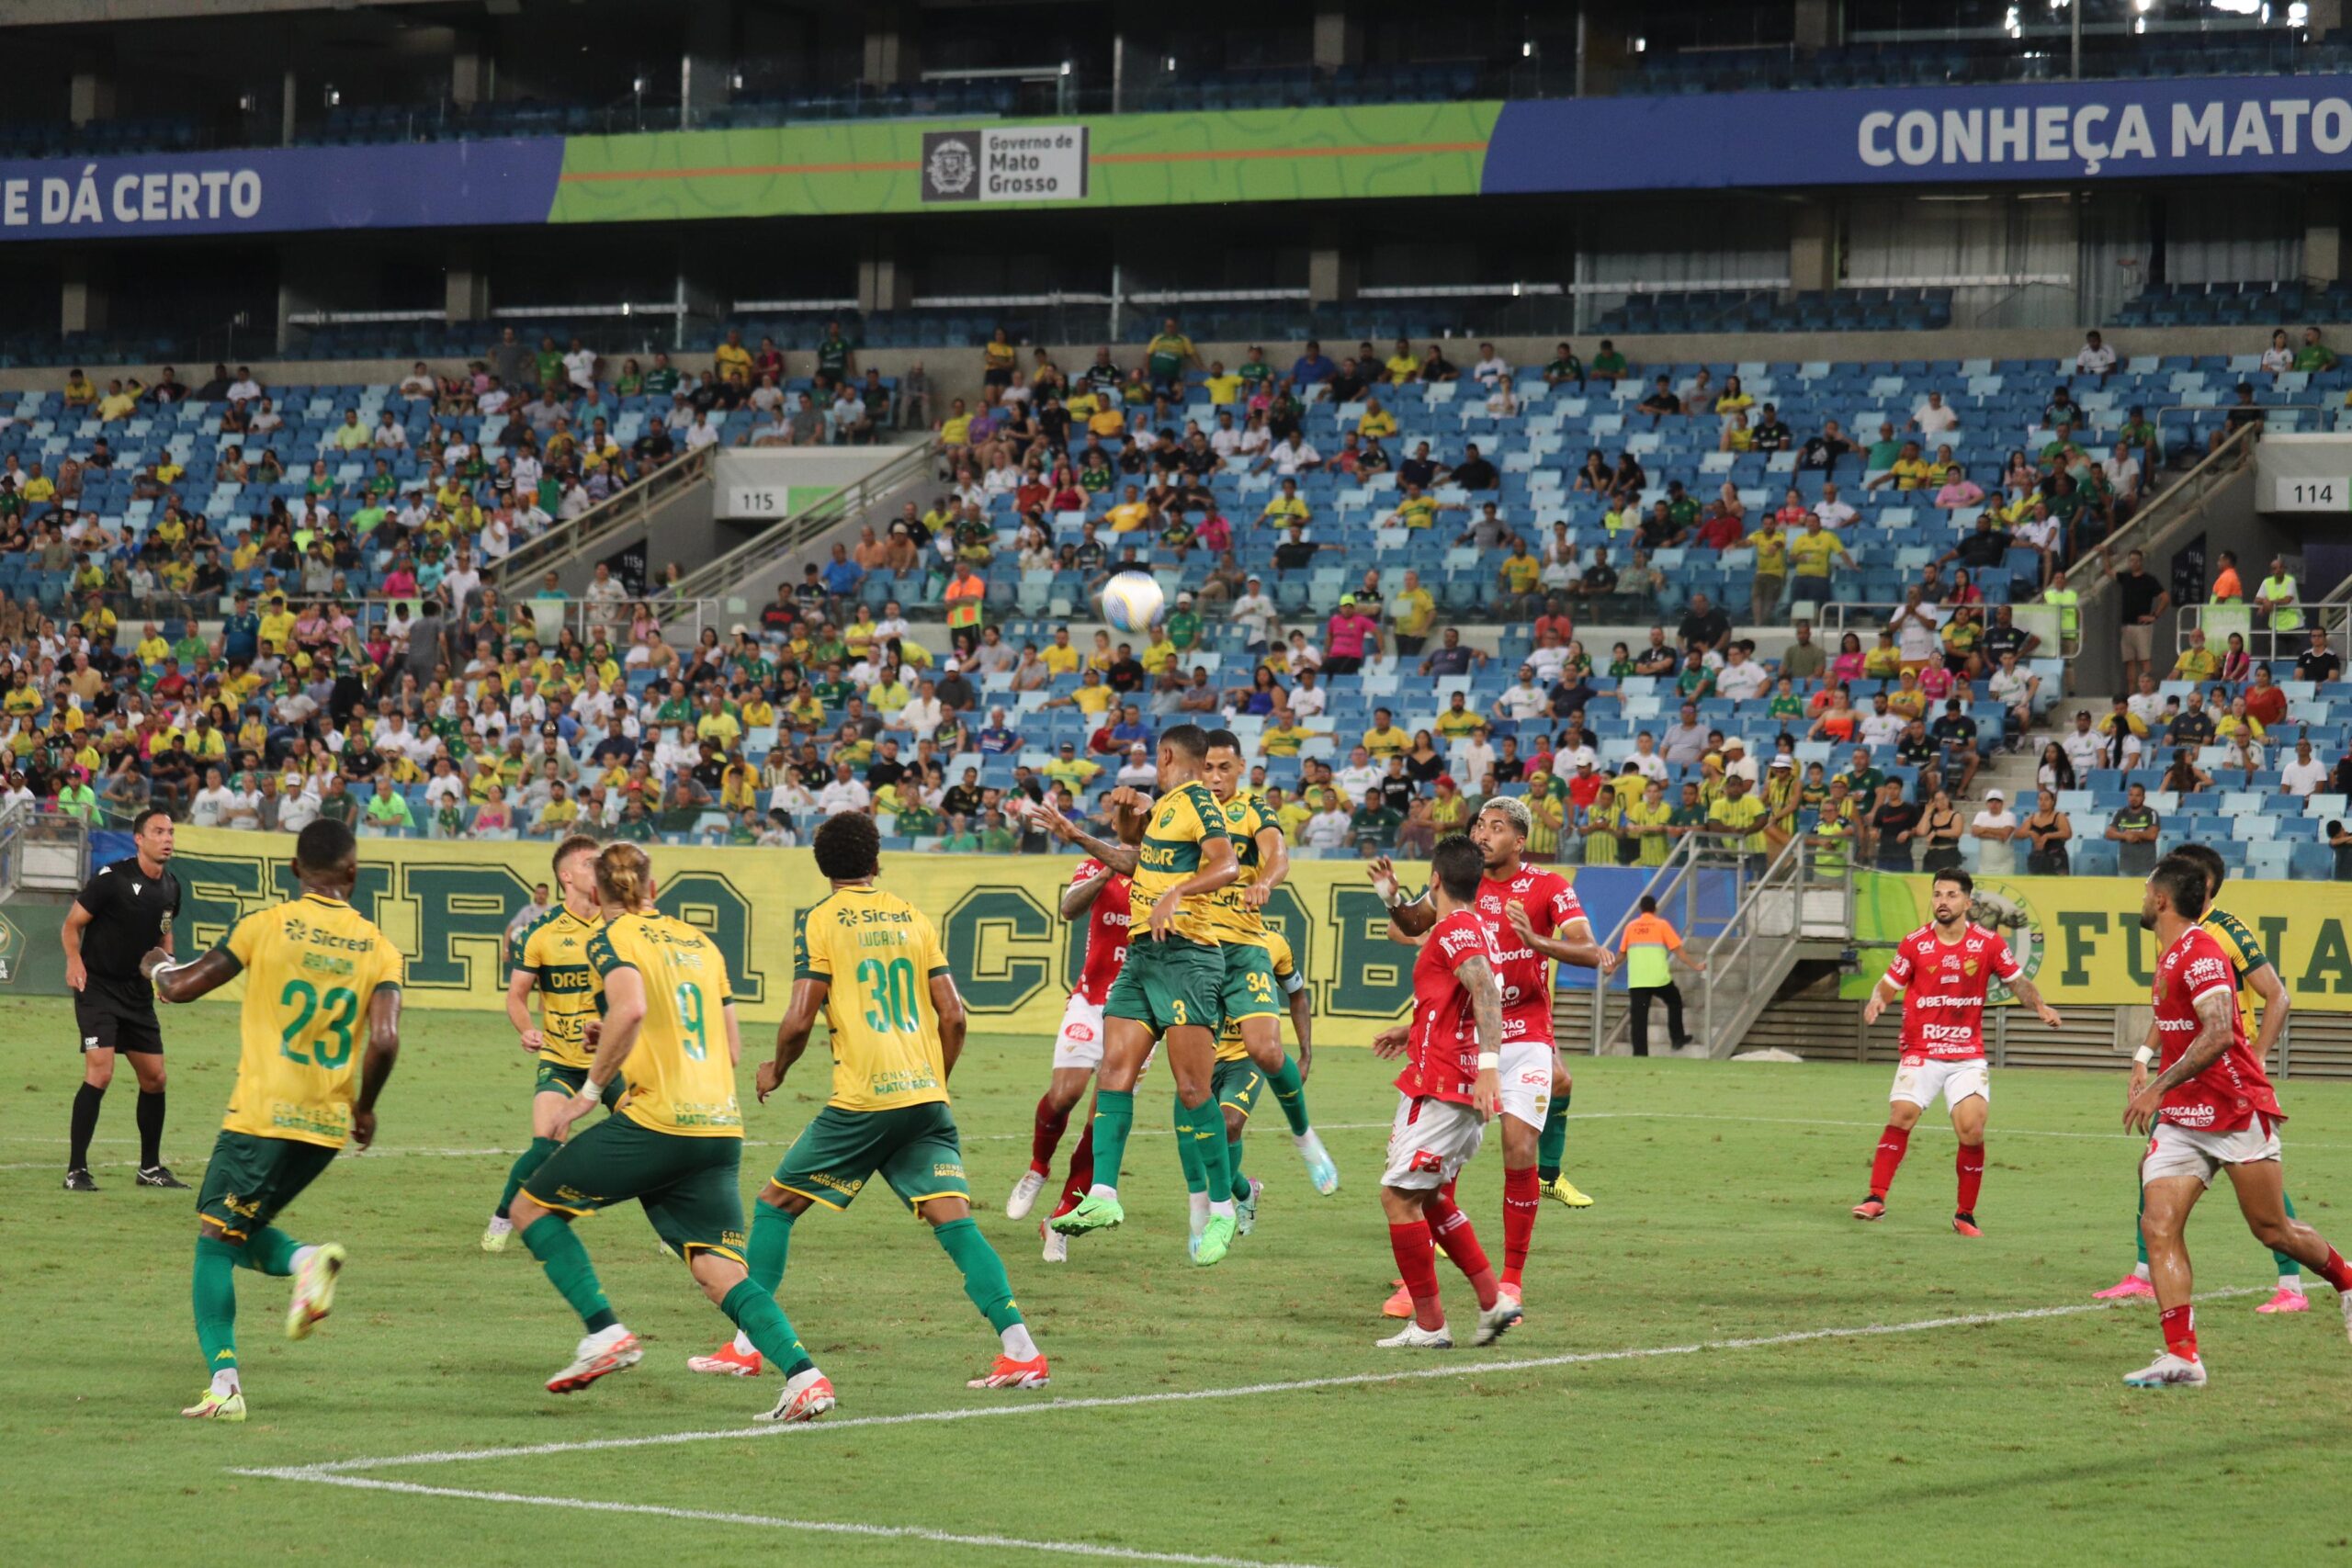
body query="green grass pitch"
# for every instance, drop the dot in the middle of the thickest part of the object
(1723, 1194)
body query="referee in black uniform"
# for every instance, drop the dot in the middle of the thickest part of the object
(124, 910)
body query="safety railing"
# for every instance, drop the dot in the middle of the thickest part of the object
(2272, 634)
(594, 529)
(772, 547)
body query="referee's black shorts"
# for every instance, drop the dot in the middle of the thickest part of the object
(113, 1016)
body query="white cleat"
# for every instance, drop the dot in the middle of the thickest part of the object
(806, 1397)
(1057, 1244)
(1498, 1320)
(601, 1354)
(2168, 1370)
(1319, 1169)
(2344, 1301)
(497, 1234)
(314, 1288)
(1024, 1195)
(1413, 1336)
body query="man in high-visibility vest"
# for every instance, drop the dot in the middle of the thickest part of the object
(1651, 947)
(966, 598)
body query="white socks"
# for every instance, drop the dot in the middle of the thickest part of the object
(2292, 1283)
(301, 1256)
(1099, 1191)
(224, 1382)
(743, 1346)
(2140, 1270)
(1222, 1208)
(1017, 1343)
(1200, 1215)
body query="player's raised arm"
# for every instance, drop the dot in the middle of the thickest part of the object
(184, 982)
(1273, 865)
(2217, 1017)
(1408, 919)
(1121, 858)
(376, 1067)
(1079, 897)
(1572, 944)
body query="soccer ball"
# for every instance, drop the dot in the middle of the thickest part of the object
(1131, 602)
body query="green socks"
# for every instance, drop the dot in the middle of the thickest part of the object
(2287, 1268)
(1290, 1091)
(755, 1312)
(215, 1298)
(1552, 1146)
(983, 1271)
(1233, 1162)
(566, 1261)
(1114, 1118)
(1203, 1125)
(1186, 1156)
(529, 1160)
(269, 1251)
(770, 1240)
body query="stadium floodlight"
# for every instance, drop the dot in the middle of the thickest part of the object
(2298, 14)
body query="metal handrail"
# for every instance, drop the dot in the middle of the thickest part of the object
(1740, 929)
(1665, 881)
(792, 532)
(2263, 643)
(631, 508)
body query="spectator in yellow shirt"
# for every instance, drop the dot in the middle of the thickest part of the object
(1377, 420)
(732, 360)
(1072, 769)
(1223, 387)
(116, 404)
(1059, 657)
(1286, 507)
(1130, 514)
(80, 392)
(1401, 365)
(1907, 471)
(1385, 739)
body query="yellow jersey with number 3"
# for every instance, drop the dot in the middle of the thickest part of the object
(311, 964)
(1181, 821)
(554, 951)
(876, 954)
(681, 1075)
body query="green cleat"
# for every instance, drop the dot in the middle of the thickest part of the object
(1245, 1210)
(218, 1407)
(314, 1288)
(1092, 1214)
(1215, 1241)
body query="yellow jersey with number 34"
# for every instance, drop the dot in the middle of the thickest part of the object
(876, 954)
(311, 964)
(680, 1073)
(1286, 977)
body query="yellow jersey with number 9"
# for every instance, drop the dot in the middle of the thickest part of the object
(876, 954)
(680, 1073)
(311, 965)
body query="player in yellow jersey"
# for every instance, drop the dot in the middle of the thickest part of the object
(1252, 990)
(1239, 1081)
(676, 1145)
(871, 963)
(1172, 984)
(318, 975)
(550, 956)
(2257, 982)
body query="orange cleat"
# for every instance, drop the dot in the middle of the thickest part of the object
(2285, 1299)
(727, 1362)
(1965, 1224)
(1009, 1373)
(2129, 1288)
(1399, 1306)
(1871, 1209)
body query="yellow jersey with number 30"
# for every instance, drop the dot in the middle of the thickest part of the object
(554, 951)
(876, 954)
(311, 964)
(680, 1073)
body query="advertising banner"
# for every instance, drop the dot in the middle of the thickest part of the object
(2080, 942)
(447, 905)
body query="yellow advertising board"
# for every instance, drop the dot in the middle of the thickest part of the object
(2079, 937)
(447, 903)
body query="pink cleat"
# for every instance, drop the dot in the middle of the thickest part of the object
(1871, 1209)
(2129, 1288)
(2285, 1299)
(1399, 1306)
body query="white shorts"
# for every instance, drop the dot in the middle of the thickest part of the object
(1919, 1081)
(2175, 1150)
(1430, 1142)
(1526, 1075)
(1079, 1044)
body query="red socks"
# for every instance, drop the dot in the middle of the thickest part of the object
(2336, 1272)
(1892, 1143)
(1970, 1163)
(1452, 1228)
(1417, 1266)
(1522, 1196)
(1048, 1135)
(2180, 1329)
(1082, 1171)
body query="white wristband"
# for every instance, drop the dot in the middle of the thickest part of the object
(2144, 1056)
(1489, 1061)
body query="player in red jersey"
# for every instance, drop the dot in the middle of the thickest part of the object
(1536, 919)
(1447, 1091)
(1942, 970)
(1098, 894)
(2211, 1108)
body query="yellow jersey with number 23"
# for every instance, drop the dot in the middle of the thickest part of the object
(876, 954)
(311, 964)
(681, 1074)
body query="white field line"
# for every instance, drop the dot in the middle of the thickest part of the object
(1444, 1369)
(767, 1521)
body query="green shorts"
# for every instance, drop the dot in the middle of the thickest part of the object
(1170, 983)
(557, 1078)
(1238, 1085)
(1250, 989)
(690, 1186)
(250, 1179)
(915, 1148)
